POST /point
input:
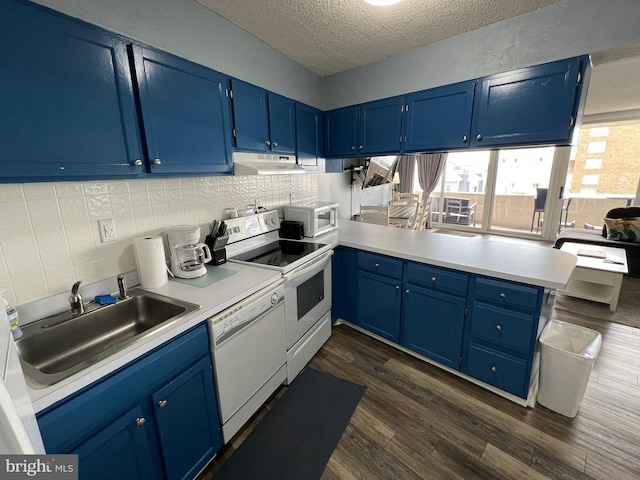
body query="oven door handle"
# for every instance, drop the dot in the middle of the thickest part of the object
(309, 268)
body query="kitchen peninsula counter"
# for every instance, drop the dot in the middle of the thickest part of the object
(518, 262)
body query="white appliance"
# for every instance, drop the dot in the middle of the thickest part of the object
(318, 218)
(247, 163)
(249, 355)
(306, 271)
(19, 433)
(187, 255)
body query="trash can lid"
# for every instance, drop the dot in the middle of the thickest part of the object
(570, 338)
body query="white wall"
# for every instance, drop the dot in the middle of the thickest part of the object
(562, 30)
(189, 30)
(336, 187)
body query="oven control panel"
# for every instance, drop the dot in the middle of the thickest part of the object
(242, 228)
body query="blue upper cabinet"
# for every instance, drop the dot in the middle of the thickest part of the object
(366, 129)
(439, 118)
(380, 126)
(185, 112)
(263, 121)
(341, 132)
(282, 123)
(250, 116)
(309, 135)
(68, 109)
(528, 106)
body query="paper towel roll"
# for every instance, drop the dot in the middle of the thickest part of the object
(152, 267)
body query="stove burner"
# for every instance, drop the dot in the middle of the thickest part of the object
(280, 253)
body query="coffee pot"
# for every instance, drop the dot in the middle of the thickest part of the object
(187, 254)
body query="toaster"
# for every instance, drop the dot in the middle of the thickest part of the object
(292, 229)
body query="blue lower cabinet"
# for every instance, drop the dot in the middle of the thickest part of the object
(157, 417)
(189, 436)
(432, 324)
(507, 372)
(121, 450)
(344, 278)
(379, 303)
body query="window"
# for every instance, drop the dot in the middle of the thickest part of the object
(599, 132)
(593, 164)
(590, 179)
(597, 147)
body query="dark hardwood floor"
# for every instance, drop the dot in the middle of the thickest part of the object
(416, 421)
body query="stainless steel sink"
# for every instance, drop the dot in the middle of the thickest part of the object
(56, 347)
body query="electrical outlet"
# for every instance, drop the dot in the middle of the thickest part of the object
(107, 230)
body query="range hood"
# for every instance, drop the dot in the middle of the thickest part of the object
(245, 163)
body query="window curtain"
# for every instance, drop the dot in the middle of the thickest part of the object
(430, 168)
(406, 168)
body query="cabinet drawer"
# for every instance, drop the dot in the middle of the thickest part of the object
(390, 267)
(505, 328)
(507, 294)
(498, 369)
(437, 279)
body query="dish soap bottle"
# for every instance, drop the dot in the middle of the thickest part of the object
(12, 316)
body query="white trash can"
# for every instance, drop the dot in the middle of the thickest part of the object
(567, 355)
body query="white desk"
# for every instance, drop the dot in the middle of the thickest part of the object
(595, 278)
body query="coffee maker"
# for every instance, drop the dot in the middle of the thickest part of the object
(187, 255)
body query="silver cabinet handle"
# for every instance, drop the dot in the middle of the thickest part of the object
(502, 295)
(407, 291)
(162, 403)
(494, 369)
(140, 421)
(137, 162)
(464, 139)
(499, 328)
(267, 142)
(433, 279)
(376, 265)
(360, 147)
(275, 144)
(397, 287)
(157, 161)
(353, 147)
(479, 137)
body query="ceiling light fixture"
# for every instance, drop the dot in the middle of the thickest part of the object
(382, 3)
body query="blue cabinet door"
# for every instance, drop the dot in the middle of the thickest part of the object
(185, 410)
(186, 114)
(341, 132)
(282, 123)
(309, 135)
(68, 109)
(250, 116)
(120, 450)
(432, 324)
(527, 106)
(380, 124)
(379, 303)
(439, 118)
(344, 277)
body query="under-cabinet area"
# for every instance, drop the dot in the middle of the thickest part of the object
(485, 328)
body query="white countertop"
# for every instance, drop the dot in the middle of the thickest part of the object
(531, 264)
(212, 300)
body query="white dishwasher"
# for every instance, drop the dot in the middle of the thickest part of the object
(249, 355)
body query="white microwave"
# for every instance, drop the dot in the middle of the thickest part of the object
(317, 219)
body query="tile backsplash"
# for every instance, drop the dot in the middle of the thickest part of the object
(49, 234)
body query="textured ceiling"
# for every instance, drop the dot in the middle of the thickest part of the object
(330, 36)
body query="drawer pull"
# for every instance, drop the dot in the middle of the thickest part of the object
(494, 369)
(397, 287)
(376, 265)
(407, 291)
(140, 421)
(498, 328)
(503, 295)
(433, 279)
(162, 403)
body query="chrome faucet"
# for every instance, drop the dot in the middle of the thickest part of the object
(75, 299)
(122, 286)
